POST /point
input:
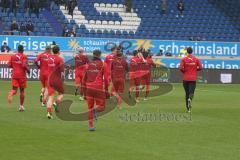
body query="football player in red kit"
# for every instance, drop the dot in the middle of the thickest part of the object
(95, 94)
(81, 61)
(146, 72)
(42, 63)
(189, 67)
(55, 70)
(107, 67)
(134, 73)
(18, 63)
(119, 68)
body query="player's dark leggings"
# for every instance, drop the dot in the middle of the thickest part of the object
(189, 87)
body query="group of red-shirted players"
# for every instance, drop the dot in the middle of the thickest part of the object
(93, 77)
(50, 64)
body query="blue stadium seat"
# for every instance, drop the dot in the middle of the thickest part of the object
(23, 33)
(32, 34)
(112, 32)
(43, 30)
(92, 31)
(16, 33)
(99, 32)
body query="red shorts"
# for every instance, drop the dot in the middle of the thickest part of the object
(19, 82)
(44, 80)
(51, 91)
(135, 82)
(95, 96)
(78, 77)
(55, 87)
(145, 80)
(118, 85)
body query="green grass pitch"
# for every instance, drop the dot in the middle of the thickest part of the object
(212, 134)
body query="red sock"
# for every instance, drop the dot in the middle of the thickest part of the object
(22, 97)
(49, 110)
(58, 101)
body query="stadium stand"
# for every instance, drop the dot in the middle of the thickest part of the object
(40, 23)
(106, 20)
(201, 20)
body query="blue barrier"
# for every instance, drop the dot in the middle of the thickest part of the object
(89, 44)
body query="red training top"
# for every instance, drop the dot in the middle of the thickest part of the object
(43, 60)
(94, 73)
(135, 69)
(55, 65)
(55, 70)
(81, 61)
(19, 64)
(189, 67)
(119, 68)
(146, 67)
(108, 60)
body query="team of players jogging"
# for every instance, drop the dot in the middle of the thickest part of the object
(94, 77)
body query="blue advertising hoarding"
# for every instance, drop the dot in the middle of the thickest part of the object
(67, 45)
(89, 44)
